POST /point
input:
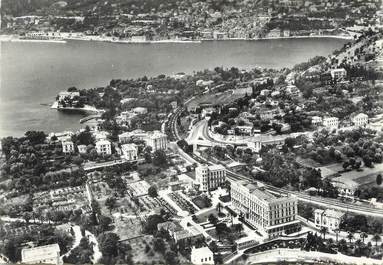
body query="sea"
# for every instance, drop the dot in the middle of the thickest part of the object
(32, 73)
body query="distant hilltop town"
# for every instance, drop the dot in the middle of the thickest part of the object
(189, 20)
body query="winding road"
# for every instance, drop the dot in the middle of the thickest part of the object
(200, 132)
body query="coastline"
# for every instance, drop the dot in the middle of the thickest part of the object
(87, 109)
(15, 38)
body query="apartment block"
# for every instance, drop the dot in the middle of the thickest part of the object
(272, 215)
(210, 177)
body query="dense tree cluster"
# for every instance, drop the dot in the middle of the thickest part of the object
(81, 254)
(34, 163)
(114, 251)
(361, 223)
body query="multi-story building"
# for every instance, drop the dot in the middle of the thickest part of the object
(316, 120)
(328, 218)
(48, 254)
(360, 120)
(103, 147)
(157, 140)
(271, 215)
(68, 147)
(338, 74)
(137, 134)
(210, 177)
(331, 122)
(129, 151)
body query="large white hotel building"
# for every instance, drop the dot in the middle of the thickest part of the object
(273, 216)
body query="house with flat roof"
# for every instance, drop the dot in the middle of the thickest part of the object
(103, 147)
(330, 123)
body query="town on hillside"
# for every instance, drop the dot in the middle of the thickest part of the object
(177, 20)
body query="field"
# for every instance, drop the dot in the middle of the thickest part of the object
(143, 253)
(364, 177)
(127, 227)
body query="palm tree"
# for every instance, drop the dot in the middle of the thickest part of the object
(363, 236)
(376, 238)
(337, 230)
(219, 207)
(358, 242)
(324, 231)
(239, 228)
(350, 236)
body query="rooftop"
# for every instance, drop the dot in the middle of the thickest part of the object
(330, 213)
(216, 167)
(200, 252)
(128, 147)
(29, 255)
(262, 194)
(102, 142)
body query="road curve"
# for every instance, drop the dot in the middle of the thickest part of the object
(321, 201)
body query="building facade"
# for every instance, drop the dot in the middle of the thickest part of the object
(129, 152)
(331, 123)
(328, 218)
(316, 121)
(273, 216)
(157, 141)
(338, 74)
(104, 147)
(81, 149)
(210, 177)
(201, 256)
(68, 147)
(360, 120)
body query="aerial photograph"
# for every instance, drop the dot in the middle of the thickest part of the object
(191, 132)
